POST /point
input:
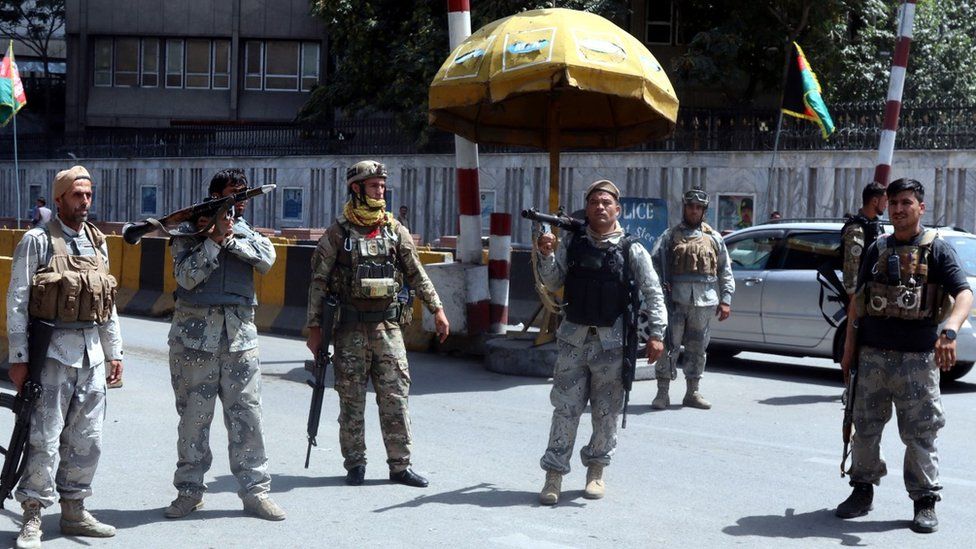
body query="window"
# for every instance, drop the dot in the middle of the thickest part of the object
(221, 64)
(310, 65)
(254, 65)
(126, 62)
(103, 62)
(147, 199)
(150, 62)
(281, 65)
(174, 63)
(965, 247)
(198, 64)
(291, 205)
(659, 19)
(751, 254)
(811, 250)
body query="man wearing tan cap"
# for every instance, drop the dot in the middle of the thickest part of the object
(60, 275)
(595, 268)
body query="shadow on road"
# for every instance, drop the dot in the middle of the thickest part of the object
(815, 524)
(287, 483)
(778, 371)
(799, 399)
(133, 518)
(486, 495)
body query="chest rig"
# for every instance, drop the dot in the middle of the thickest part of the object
(694, 258)
(596, 284)
(74, 291)
(901, 287)
(369, 277)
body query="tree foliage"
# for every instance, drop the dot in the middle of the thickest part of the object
(33, 23)
(386, 52)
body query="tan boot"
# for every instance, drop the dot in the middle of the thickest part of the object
(550, 492)
(693, 398)
(183, 505)
(662, 400)
(30, 531)
(77, 521)
(595, 487)
(261, 506)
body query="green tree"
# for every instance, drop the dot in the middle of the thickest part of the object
(386, 52)
(34, 23)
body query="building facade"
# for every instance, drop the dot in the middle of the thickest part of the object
(159, 63)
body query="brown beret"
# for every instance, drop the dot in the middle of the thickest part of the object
(604, 185)
(66, 178)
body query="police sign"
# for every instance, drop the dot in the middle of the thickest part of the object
(644, 218)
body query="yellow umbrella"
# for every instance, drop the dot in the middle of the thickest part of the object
(553, 78)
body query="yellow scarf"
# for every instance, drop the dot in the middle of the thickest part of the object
(367, 215)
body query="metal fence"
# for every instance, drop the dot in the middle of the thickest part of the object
(932, 127)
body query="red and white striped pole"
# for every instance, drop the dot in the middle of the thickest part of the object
(466, 154)
(896, 85)
(499, 270)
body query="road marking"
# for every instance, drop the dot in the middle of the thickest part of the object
(897, 472)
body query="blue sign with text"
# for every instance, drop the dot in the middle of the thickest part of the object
(644, 218)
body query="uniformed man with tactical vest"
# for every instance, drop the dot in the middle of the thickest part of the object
(214, 352)
(595, 268)
(60, 274)
(364, 259)
(893, 338)
(860, 231)
(694, 264)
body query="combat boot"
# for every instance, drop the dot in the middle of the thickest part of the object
(77, 521)
(262, 506)
(183, 505)
(595, 488)
(550, 492)
(30, 531)
(925, 521)
(662, 400)
(858, 503)
(693, 398)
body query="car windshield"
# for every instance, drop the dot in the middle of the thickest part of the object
(965, 247)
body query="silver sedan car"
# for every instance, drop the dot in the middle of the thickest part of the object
(776, 308)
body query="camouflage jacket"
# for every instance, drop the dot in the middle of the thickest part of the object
(68, 346)
(696, 294)
(194, 259)
(324, 262)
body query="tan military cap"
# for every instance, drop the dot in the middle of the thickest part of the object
(66, 178)
(604, 185)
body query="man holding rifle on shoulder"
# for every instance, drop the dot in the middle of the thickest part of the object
(895, 347)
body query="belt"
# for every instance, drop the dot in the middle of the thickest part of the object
(348, 314)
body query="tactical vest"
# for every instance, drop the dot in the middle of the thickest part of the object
(872, 230)
(74, 291)
(694, 258)
(596, 284)
(231, 283)
(900, 287)
(368, 276)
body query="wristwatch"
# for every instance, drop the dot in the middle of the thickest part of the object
(949, 334)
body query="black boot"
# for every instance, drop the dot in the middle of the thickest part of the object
(925, 521)
(408, 477)
(858, 503)
(356, 475)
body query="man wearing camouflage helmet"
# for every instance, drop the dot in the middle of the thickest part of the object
(85, 353)
(697, 277)
(363, 260)
(596, 268)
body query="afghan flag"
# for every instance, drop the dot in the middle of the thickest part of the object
(802, 98)
(12, 96)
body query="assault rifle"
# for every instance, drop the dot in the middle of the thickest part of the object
(847, 429)
(631, 314)
(670, 352)
(22, 405)
(211, 207)
(560, 220)
(317, 368)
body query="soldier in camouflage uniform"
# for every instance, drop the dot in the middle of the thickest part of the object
(860, 231)
(698, 280)
(893, 336)
(214, 351)
(68, 415)
(591, 266)
(364, 258)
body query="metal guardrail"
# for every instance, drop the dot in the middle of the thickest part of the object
(930, 127)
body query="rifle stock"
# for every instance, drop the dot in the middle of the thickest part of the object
(318, 368)
(631, 315)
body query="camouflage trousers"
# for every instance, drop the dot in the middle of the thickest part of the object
(910, 381)
(584, 374)
(198, 379)
(363, 353)
(689, 327)
(66, 423)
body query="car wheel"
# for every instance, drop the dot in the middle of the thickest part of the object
(957, 371)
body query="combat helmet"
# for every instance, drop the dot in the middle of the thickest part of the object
(361, 171)
(695, 196)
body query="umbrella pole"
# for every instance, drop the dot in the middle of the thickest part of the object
(553, 158)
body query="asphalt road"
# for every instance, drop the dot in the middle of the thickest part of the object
(759, 469)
